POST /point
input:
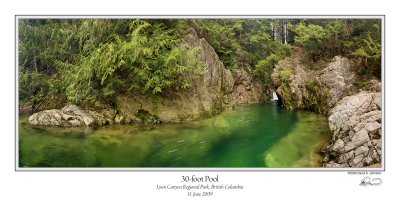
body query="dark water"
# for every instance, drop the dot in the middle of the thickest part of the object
(250, 136)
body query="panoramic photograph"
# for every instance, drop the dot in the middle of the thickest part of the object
(199, 93)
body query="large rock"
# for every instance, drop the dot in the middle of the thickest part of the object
(290, 77)
(70, 115)
(336, 80)
(354, 118)
(213, 91)
(356, 126)
(300, 87)
(247, 89)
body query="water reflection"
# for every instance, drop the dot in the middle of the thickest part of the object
(250, 136)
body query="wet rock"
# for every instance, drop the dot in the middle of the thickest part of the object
(119, 119)
(70, 115)
(109, 113)
(47, 118)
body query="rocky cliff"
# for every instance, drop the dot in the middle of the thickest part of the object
(301, 87)
(354, 115)
(213, 91)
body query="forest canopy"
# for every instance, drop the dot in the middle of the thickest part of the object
(83, 60)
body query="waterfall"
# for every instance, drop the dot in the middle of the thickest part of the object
(274, 96)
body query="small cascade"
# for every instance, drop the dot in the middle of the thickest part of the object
(274, 96)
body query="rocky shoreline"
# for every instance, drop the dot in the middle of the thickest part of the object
(69, 116)
(357, 133)
(213, 91)
(354, 115)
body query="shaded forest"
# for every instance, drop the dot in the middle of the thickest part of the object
(83, 60)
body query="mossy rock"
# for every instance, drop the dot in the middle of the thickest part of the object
(146, 117)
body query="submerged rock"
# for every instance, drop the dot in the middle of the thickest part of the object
(70, 115)
(356, 126)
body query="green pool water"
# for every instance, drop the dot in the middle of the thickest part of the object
(263, 135)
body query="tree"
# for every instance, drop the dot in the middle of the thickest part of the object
(148, 59)
(89, 59)
(311, 37)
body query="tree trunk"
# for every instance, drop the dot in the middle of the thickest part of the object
(37, 107)
(35, 64)
(272, 31)
(285, 32)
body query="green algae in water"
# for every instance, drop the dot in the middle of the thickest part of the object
(262, 135)
(300, 148)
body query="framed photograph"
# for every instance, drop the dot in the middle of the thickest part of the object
(210, 100)
(200, 92)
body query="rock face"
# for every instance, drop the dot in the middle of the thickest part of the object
(317, 90)
(354, 118)
(70, 115)
(290, 78)
(247, 89)
(336, 80)
(215, 90)
(356, 126)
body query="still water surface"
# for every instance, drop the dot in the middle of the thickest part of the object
(263, 135)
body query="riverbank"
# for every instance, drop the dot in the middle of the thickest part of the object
(352, 103)
(243, 137)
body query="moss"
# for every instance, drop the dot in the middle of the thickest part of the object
(182, 118)
(218, 108)
(204, 115)
(154, 103)
(311, 84)
(284, 76)
(317, 98)
(288, 102)
(361, 85)
(146, 117)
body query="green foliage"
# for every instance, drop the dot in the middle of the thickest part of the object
(32, 86)
(148, 59)
(265, 66)
(221, 34)
(368, 47)
(311, 37)
(323, 38)
(283, 77)
(91, 59)
(42, 42)
(239, 42)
